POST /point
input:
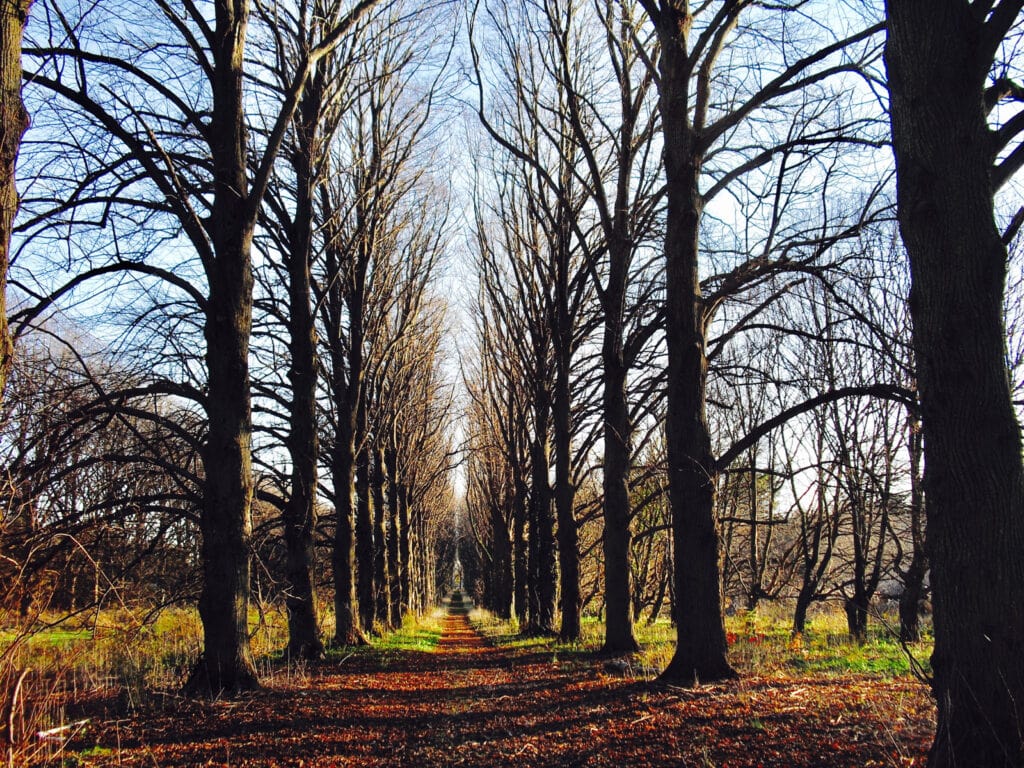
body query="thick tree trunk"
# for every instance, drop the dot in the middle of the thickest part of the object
(618, 529)
(938, 56)
(226, 665)
(542, 522)
(13, 122)
(381, 574)
(856, 605)
(571, 603)
(700, 653)
(856, 608)
(394, 536)
(501, 576)
(343, 551)
(521, 554)
(754, 563)
(803, 602)
(364, 534)
(405, 545)
(565, 498)
(299, 514)
(532, 558)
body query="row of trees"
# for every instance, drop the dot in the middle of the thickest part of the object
(680, 239)
(239, 203)
(691, 324)
(572, 313)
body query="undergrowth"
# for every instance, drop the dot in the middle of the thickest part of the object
(758, 643)
(140, 659)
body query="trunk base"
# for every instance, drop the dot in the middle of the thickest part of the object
(619, 648)
(355, 638)
(689, 675)
(306, 651)
(204, 683)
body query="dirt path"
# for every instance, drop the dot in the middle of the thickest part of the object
(457, 634)
(474, 705)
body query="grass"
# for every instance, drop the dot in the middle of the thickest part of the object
(758, 643)
(140, 657)
(137, 653)
(417, 634)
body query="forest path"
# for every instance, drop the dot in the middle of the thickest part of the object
(470, 703)
(457, 634)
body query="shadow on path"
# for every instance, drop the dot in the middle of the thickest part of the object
(472, 704)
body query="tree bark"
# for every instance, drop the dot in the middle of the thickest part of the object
(501, 575)
(913, 577)
(381, 574)
(226, 665)
(343, 551)
(343, 458)
(394, 537)
(938, 55)
(561, 424)
(565, 495)
(364, 533)
(542, 533)
(803, 602)
(618, 529)
(519, 542)
(13, 122)
(700, 653)
(299, 514)
(405, 545)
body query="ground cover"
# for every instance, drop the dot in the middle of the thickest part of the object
(438, 693)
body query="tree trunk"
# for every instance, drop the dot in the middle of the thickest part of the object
(13, 122)
(753, 560)
(910, 600)
(380, 541)
(938, 55)
(501, 565)
(856, 605)
(803, 602)
(565, 496)
(532, 552)
(542, 531)
(405, 545)
(226, 665)
(618, 530)
(364, 533)
(394, 536)
(343, 551)
(659, 599)
(856, 608)
(299, 514)
(571, 603)
(913, 577)
(700, 653)
(521, 555)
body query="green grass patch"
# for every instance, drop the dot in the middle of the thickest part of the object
(758, 643)
(417, 633)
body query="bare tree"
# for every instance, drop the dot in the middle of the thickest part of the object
(192, 155)
(290, 222)
(13, 122)
(609, 157)
(700, 112)
(955, 148)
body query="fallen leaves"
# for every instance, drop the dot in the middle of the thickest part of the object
(470, 704)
